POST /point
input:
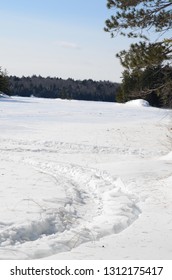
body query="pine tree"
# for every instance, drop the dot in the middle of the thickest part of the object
(133, 17)
(4, 86)
(138, 19)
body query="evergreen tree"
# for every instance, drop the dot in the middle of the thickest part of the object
(153, 84)
(138, 19)
(4, 86)
(133, 17)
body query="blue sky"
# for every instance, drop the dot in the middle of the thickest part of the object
(58, 38)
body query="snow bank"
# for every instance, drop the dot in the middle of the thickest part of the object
(3, 95)
(138, 103)
(167, 157)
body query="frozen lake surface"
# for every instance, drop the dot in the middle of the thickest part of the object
(84, 180)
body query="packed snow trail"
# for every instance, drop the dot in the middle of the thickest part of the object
(93, 205)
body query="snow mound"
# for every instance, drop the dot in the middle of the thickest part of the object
(3, 95)
(138, 103)
(167, 157)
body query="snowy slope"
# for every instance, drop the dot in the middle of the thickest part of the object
(84, 180)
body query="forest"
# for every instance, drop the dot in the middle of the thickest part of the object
(60, 88)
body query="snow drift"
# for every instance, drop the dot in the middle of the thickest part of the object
(138, 103)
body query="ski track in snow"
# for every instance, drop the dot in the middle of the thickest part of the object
(21, 146)
(95, 205)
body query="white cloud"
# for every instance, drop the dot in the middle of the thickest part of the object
(68, 45)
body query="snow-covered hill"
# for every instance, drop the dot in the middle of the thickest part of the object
(84, 180)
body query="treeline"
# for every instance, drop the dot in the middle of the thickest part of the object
(66, 89)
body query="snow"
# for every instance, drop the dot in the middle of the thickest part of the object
(167, 157)
(3, 95)
(138, 103)
(84, 180)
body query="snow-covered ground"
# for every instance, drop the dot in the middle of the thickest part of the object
(84, 180)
